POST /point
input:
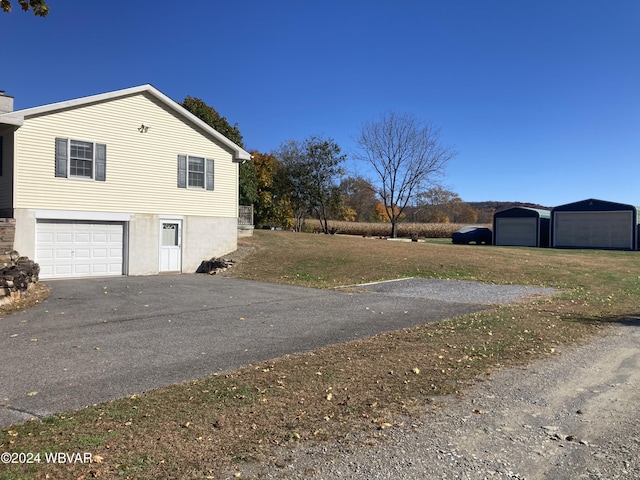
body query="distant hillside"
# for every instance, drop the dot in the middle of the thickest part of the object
(487, 209)
(497, 206)
(460, 212)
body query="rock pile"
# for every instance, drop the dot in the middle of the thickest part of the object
(17, 274)
(215, 265)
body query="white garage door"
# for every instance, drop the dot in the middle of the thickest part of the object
(517, 231)
(79, 249)
(594, 229)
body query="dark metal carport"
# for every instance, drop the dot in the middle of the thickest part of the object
(521, 226)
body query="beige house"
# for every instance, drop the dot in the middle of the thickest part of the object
(121, 183)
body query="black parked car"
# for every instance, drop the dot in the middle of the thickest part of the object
(478, 235)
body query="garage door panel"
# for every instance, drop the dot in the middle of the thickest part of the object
(62, 253)
(99, 268)
(46, 271)
(594, 229)
(63, 237)
(62, 270)
(82, 253)
(82, 269)
(114, 269)
(100, 238)
(46, 237)
(45, 253)
(82, 237)
(77, 249)
(516, 231)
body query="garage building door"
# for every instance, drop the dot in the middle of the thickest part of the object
(594, 229)
(517, 231)
(79, 249)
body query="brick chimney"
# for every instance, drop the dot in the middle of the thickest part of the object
(6, 103)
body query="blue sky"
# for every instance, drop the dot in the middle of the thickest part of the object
(541, 99)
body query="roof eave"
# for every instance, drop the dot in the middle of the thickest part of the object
(19, 115)
(52, 107)
(11, 119)
(242, 156)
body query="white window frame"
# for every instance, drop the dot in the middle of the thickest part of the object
(93, 160)
(207, 172)
(63, 160)
(203, 172)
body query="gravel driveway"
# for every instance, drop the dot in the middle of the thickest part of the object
(459, 291)
(572, 415)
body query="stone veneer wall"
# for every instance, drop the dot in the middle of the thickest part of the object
(7, 234)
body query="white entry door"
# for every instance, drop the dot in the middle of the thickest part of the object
(171, 245)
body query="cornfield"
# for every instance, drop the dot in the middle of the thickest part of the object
(405, 230)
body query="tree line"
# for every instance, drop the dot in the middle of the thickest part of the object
(306, 178)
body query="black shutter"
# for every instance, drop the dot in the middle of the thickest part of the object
(209, 174)
(61, 157)
(182, 171)
(101, 162)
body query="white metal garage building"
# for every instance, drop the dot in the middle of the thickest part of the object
(595, 223)
(521, 226)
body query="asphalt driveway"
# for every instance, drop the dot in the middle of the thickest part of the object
(94, 340)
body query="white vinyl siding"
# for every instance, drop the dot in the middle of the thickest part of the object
(141, 166)
(594, 229)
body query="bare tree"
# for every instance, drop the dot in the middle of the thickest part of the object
(406, 156)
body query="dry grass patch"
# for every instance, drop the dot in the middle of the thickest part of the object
(209, 427)
(38, 292)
